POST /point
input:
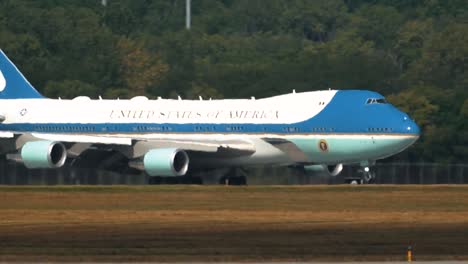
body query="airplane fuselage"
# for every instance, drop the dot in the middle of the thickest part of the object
(328, 126)
(166, 137)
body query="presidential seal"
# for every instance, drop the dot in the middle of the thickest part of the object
(323, 145)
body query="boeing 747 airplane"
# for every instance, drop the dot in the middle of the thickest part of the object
(320, 130)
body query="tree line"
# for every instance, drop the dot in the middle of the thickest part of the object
(415, 52)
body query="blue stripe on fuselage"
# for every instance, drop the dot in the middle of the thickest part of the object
(346, 113)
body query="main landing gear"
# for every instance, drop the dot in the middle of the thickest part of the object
(224, 176)
(156, 180)
(235, 176)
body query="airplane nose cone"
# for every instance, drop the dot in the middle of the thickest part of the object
(411, 126)
(411, 133)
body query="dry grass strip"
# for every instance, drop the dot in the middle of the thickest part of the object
(199, 223)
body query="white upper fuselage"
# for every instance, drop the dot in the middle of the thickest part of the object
(284, 109)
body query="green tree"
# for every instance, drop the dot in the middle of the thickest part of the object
(69, 89)
(140, 69)
(314, 20)
(378, 23)
(410, 41)
(443, 60)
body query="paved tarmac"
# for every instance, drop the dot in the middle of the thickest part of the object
(344, 262)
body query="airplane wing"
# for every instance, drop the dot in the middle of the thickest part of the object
(84, 139)
(118, 151)
(137, 147)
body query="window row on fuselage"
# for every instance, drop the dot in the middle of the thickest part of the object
(380, 129)
(59, 128)
(200, 128)
(152, 128)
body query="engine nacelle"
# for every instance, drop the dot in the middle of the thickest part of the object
(166, 162)
(43, 154)
(328, 169)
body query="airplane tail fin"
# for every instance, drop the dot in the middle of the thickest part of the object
(13, 85)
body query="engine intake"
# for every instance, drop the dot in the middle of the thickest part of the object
(43, 154)
(166, 162)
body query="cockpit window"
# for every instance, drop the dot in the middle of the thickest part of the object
(376, 101)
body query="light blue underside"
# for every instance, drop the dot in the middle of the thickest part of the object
(351, 149)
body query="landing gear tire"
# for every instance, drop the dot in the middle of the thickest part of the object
(356, 181)
(366, 176)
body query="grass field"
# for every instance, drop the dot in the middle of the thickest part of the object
(221, 223)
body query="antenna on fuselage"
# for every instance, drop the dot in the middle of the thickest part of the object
(294, 91)
(201, 98)
(179, 98)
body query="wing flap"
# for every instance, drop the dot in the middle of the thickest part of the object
(137, 147)
(288, 147)
(85, 139)
(232, 147)
(5, 134)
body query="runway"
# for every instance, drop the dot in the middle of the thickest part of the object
(226, 223)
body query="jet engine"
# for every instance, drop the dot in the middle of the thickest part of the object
(166, 162)
(43, 154)
(330, 170)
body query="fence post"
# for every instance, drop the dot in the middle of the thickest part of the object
(408, 180)
(421, 172)
(462, 174)
(450, 178)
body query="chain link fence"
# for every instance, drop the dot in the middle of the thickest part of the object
(393, 173)
(421, 173)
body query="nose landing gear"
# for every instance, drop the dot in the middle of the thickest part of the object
(368, 175)
(365, 175)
